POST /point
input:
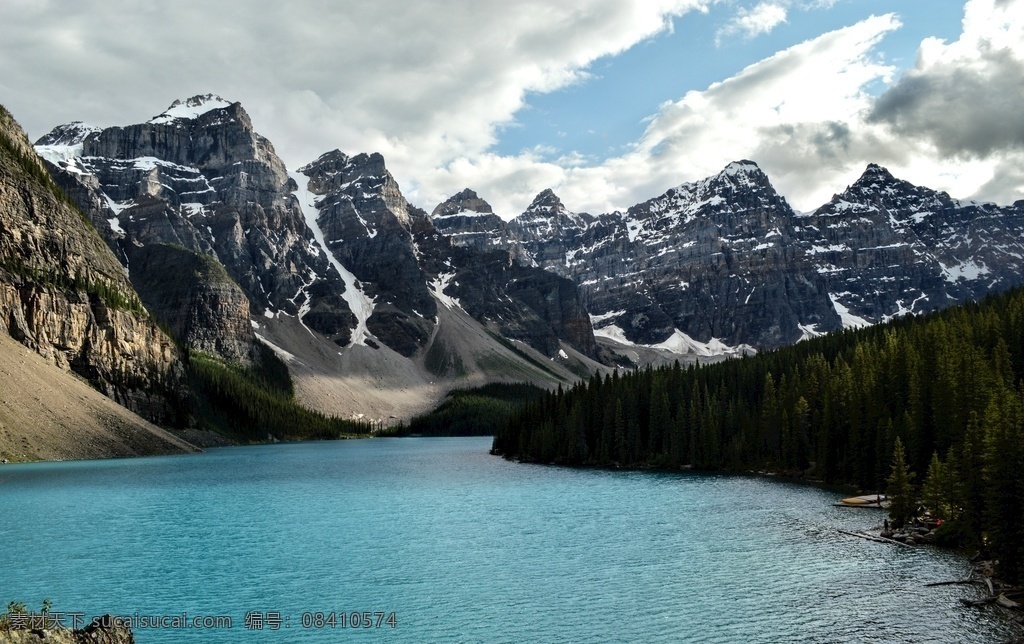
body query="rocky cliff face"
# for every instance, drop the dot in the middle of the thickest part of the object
(470, 221)
(547, 232)
(197, 299)
(367, 226)
(198, 176)
(887, 247)
(518, 302)
(716, 264)
(64, 294)
(401, 264)
(330, 252)
(703, 267)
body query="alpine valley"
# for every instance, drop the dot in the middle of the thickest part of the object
(208, 245)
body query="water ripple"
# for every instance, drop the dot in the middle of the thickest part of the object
(464, 546)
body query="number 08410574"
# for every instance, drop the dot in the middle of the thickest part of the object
(345, 619)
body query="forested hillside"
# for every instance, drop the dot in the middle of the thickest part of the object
(948, 385)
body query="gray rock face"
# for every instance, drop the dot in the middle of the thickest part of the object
(518, 302)
(64, 295)
(546, 233)
(469, 221)
(715, 259)
(193, 294)
(198, 176)
(726, 258)
(887, 247)
(333, 243)
(368, 227)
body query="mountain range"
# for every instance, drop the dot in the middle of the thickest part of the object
(378, 308)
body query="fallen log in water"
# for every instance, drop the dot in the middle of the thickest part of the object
(978, 602)
(955, 582)
(870, 537)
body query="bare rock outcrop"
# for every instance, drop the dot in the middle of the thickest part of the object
(65, 295)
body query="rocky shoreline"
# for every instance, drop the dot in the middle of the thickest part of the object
(40, 628)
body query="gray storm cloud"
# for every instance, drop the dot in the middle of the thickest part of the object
(972, 110)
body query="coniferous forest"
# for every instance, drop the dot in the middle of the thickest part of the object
(947, 387)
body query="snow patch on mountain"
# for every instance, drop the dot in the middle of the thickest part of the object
(969, 270)
(437, 287)
(190, 108)
(598, 319)
(678, 342)
(358, 302)
(463, 213)
(681, 343)
(850, 321)
(808, 332)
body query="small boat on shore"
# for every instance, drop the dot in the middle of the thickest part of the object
(865, 501)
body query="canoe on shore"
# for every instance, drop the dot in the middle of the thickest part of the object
(865, 501)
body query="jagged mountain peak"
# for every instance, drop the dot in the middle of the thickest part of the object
(742, 167)
(72, 133)
(464, 202)
(360, 174)
(740, 175)
(875, 174)
(547, 203)
(191, 108)
(547, 215)
(878, 188)
(743, 174)
(337, 162)
(738, 187)
(335, 159)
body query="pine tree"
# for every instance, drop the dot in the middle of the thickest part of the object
(902, 504)
(1004, 458)
(934, 487)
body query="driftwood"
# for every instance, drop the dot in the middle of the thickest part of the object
(978, 602)
(979, 576)
(955, 582)
(874, 538)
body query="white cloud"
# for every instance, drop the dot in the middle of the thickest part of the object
(431, 85)
(798, 114)
(965, 97)
(804, 116)
(423, 83)
(760, 19)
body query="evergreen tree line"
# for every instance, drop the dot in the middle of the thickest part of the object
(471, 412)
(257, 403)
(946, 387)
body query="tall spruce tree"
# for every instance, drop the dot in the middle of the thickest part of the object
(902, 501)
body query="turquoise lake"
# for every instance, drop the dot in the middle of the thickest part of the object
(464, 546)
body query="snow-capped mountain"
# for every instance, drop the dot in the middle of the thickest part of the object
(329, 264)
(718, 264)
(362, 291)
(704, 268)
(470, 221)
(887, 247)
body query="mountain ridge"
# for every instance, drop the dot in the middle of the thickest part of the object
(332, 249)
(844, 260)
(717, 266)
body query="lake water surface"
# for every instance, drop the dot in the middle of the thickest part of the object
(463, 546)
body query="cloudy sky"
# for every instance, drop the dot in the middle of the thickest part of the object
(609, 102)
